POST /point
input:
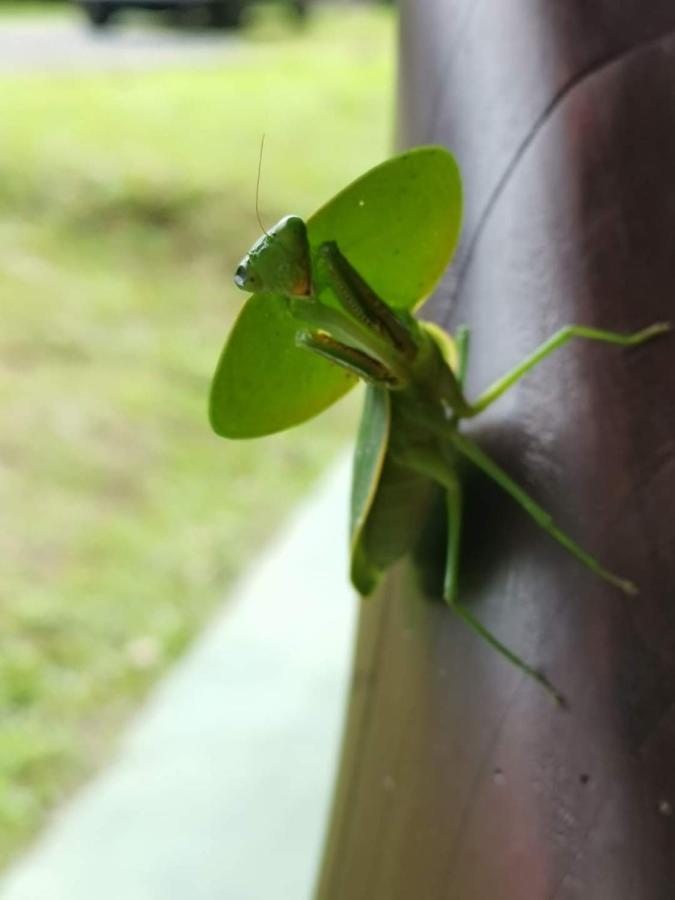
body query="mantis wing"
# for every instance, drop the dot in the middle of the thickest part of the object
(389, 501)
(398, 225)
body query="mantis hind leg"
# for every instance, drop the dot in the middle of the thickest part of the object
(454, 505)
(559, 339)
(540, 516)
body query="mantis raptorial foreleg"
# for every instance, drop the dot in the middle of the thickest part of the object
(480, 459)
(451, 595)
(384, 343)
(360, 300)
(559, 339)
(354, 361)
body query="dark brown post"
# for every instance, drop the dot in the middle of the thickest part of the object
(459, 778)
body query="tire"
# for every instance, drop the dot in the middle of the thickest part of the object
(225, 13)
(99, 14)
(299, 7)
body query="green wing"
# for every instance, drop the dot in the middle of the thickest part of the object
(398, 225)
(389, 501)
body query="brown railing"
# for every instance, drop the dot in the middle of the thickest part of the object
(460, 779)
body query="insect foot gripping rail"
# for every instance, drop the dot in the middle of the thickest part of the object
(332, 302)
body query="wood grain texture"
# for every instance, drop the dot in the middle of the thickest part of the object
(459, 778)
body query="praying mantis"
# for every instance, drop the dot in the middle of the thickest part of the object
(332, 303)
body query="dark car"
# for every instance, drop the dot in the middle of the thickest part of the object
(218, 13)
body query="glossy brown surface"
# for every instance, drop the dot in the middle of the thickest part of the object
(459, 778)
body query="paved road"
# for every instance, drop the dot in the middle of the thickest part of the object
(66, 43)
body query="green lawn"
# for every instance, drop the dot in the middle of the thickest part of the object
(31, 8)
(125, 202)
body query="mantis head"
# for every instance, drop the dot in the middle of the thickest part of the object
(278, 262)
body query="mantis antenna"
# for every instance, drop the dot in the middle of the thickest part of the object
(257, 187)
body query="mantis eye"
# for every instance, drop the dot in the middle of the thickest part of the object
(240, 276)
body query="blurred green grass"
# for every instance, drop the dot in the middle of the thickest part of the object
(31, 7)
(126, 200)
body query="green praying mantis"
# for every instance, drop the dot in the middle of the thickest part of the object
(332, 302)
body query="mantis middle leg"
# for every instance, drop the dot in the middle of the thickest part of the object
(559, 339)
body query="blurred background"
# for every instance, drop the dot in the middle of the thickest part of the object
(129, 145)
